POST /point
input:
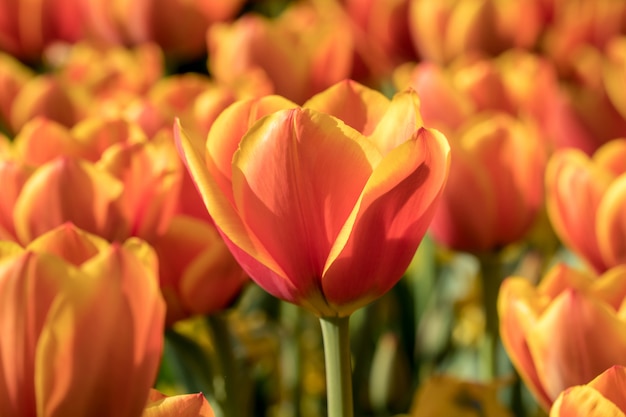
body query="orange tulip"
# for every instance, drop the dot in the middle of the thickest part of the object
(566, 331)
(308, 48)
(85, 320)
(586, 199)
(178, 26)
(28, 27)
(323, 205)
(495, 188)
(602, 397)
(444, 30)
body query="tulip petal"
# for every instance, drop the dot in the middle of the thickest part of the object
(584, 401)
(68, 190)
(190, 405)
(611, 223)
(69, 243)
(519, 306)
(13, 176)
(296, 178)
(29, 283)
(357, 106)
(612, 385)
(113, 316)
(575, 356)
(379, 239)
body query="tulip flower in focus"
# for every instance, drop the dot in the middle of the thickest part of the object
(27, 28)
(566, 331)
(586, 197)
(604, 396)
(444, 30)
(308, 48)
(323, 205)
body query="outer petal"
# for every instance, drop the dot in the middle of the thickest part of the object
(13, 176)
(574, 188)
(584, 401)
(68, 190)
(380, 237)
(191, 405)
(611, 223)
(296, 179)
(42, 140)
(576, 350)
(611, 156)
(114, 316)
(612, 385)
(29, 283)
(519, 306)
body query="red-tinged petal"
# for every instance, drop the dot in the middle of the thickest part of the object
(29, 283)
(569, 341)
(13, 176)
(466, 216)
(378, 241)
(227, 131)
(611, 287)
(561, 277)
(574, 189)
(190, 405)
(100, 350)
(584, 401)
(611, 223)
(42, 140)
(69, 243)
(296, 178)
(612, 385)
(152, 175)
(357, 106)
(198, 275)
(442, 105)
(242, 242)
(68, 190)
(519, 306)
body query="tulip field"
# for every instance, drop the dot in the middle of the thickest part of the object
(312, 208)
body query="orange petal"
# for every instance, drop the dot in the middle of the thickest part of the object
(380, 237)
(584, 401)
(190, 405)
(569, 341)
(356, 105)
(29, 283)
(611, 223)
(114, 315)
(296, 178)
(13, 176)
(68, 190)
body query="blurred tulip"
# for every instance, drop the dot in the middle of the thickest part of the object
(323, 205)
(604, 396)
(308, 48)
(13, 77)
(586, 199)
(566, 331)
(28, 27)
(191, 405)
(495, 188)
(85, 320)
(444, 30)
(178, 26)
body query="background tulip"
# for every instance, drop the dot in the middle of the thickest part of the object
(566, 331)
(585, 199)
(604, 396)
(308, 200)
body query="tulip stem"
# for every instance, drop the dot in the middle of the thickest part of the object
(492, 275)
(335, 332)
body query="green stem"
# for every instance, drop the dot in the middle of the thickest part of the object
(492, 276)
(335, 332)
(229, 386)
